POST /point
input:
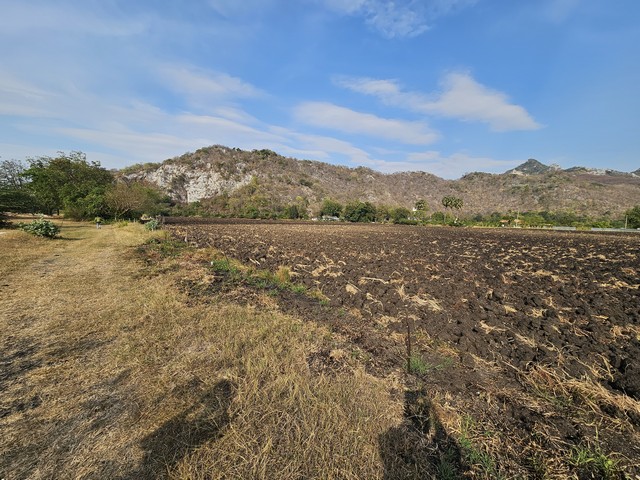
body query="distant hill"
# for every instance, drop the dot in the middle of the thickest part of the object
(220, 174)
(532, 167)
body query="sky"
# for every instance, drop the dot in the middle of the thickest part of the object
(443, 86)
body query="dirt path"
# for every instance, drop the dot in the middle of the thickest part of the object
(60, 312)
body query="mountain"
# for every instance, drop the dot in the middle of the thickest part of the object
(532, 167)
(221, 178)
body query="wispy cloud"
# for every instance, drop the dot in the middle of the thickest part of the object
(461, 97)
(457, 164)
(330, 116)
(448, 166)
(38, 16)
(199, 83)
(400, 18)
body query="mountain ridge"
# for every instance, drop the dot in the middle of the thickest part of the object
(217, 173)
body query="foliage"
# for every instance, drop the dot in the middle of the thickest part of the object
(400, 214)
(265, 153)
(40, 228)
(14, 196)
(139, 167)
(67, 182)
(421, 205)
(17, 200)
(305, 182)
(152, 225)
(360, 212)
(293, 212)
(453, 203)
(331, 208)
(384, 213)
(593, 461)
(633, 217)
(133, 199)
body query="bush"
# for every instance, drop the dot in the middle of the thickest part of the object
(40, 228)
(407, 221)
(152, 225)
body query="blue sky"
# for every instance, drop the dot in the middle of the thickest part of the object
(443, 86)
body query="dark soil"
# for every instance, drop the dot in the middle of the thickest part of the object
(504, 320)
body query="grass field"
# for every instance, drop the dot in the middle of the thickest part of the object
(108, 371)
(127, 354)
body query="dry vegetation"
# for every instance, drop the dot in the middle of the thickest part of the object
(107, 371)
(129, 354)
(525, 342)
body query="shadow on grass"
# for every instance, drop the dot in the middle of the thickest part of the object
(420, 448)
(200, 423)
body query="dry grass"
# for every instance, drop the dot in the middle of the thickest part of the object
(108, 373)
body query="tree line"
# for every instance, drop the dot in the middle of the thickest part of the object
(70, 184)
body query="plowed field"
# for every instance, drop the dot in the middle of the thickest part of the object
(533, 335)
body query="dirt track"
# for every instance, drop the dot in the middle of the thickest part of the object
(524, 316)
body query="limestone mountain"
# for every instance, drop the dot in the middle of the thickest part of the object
(217, 176)
(532, 167)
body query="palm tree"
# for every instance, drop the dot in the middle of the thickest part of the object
(451, 202)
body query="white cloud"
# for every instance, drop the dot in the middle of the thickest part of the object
(457, 164)
(399, 18)
(445, 166)
(196, 82)
(233, 8)
(35, 17)
(326, 146)
(327, 115)
(462, 97)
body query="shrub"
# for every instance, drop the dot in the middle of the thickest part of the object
(152, 225)
(40, 228)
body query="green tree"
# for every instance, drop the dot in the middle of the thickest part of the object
(293, 212)
(134, 199)
(61, 183)
(451, 202)
(384, 213)
(421, 207)
(400, 213)
(14, 194)
(331, 208)
(360, 212)
(633, 217)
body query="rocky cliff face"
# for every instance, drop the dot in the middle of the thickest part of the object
(191, 183)
(268, 178)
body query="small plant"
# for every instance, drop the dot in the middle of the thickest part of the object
(594, 461)
(152, 225)
(40, 228)
(283, 275)
(475, 455)
(418, 365)
(224, 265)
(299, 289)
